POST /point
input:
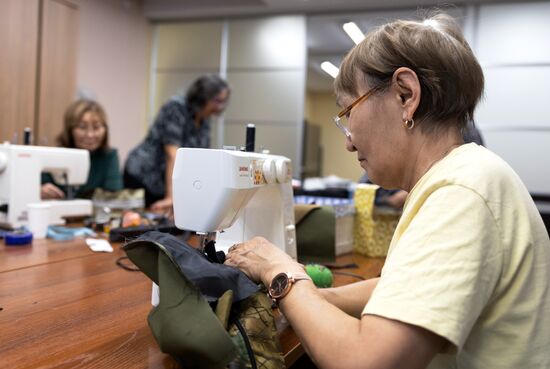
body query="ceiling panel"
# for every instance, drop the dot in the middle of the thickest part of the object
(325, 38)
(185, 9)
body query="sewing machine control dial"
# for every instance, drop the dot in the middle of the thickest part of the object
(283, 170)
(269, 170)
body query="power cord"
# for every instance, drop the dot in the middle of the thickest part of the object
(349, 275)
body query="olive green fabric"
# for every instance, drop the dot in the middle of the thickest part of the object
(223, 308)
(183, 323)
(315, 233)
(185, 326)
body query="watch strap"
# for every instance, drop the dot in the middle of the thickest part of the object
(292, 278)
(297, 277)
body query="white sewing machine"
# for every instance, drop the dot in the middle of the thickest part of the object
(20, 169)
(238, 195)
(233, 196)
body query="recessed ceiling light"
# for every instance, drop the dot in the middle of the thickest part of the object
(354, 32)
(330, 68)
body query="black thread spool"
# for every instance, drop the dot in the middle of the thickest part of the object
(27, 136)
(250, 137)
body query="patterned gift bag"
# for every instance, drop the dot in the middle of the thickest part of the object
(372, 231)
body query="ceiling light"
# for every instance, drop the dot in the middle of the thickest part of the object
(354, 32)
(330, 68)
(431, 23)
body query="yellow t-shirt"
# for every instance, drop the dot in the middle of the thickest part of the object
(470, 261)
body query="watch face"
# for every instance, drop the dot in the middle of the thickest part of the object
(279, 285)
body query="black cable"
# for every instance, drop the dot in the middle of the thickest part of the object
(70, 192)
(341, 266)
(360, 277)
(251, 355)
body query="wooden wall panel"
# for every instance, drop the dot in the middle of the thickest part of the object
(57, 74)
(18, 45)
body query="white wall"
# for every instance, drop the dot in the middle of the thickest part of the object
(512, 45)
(180, 56)
(266, 67)
(113, 65)
(336, 160)
(264, 61)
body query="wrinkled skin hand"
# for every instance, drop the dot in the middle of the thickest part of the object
(260, 260)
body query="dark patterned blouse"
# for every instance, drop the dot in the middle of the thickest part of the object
(173, 125)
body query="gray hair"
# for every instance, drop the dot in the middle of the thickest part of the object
(451, 79)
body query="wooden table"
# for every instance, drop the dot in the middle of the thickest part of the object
(64, 306)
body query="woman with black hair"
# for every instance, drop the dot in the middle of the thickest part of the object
(181, 122)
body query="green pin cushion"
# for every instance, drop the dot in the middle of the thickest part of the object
(321, 275)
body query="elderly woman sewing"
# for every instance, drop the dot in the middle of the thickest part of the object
(466, 280)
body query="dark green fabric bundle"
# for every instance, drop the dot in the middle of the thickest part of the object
(315, 233)
(241, 334)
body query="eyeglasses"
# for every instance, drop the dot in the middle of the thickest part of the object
(346, 111)
(220, 101)
(93, 128)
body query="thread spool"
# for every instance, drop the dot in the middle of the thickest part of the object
(27, 136)
(18, 238)
(250, 137)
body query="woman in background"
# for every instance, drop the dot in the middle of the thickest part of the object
(85, 127)
(184, 121)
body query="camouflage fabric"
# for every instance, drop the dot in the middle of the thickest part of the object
(255, 316)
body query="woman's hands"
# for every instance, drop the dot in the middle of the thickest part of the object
(49, 191)
(163, 206)
(261, 260)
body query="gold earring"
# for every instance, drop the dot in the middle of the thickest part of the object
(408, 123)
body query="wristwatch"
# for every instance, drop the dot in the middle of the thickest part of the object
(282, 283)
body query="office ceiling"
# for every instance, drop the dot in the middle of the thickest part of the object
(325, 38)
(186, 9)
